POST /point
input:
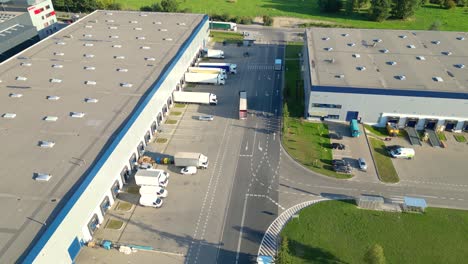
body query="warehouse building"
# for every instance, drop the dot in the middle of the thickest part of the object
(410, 78)
(77, 110)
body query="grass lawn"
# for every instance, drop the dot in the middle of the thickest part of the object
(175, 113)
(459, 138)
(114, 224)
(231, 37)
(309, 144)
(441, 136)
(171, 122)
(180, 105)
(378, 131)
(339, 232)
(424, 17)
(294, 89)
(383, 162)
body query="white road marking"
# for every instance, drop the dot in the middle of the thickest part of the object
(259, 147)
(241, 230)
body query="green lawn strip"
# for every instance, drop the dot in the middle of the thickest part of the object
(114, 224)
(383, 162)
(161, 140)
(171, 122)
(180, 105)
(422, 20)
(124, 206)
(231, 37)
(294, 88)
(339, 232)
(441, 136)
(460, 138)
(175, 113)
(293, 49)
(308, 143)
(378, 131)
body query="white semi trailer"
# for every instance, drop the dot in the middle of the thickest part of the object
(195, 98)
(209, 78)
(185, 159)
(208, 70)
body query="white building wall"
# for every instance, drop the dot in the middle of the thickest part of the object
(372, 108)
(75, 223)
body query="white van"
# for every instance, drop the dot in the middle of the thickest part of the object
(405, 153)
(153, 190)
(151, 201)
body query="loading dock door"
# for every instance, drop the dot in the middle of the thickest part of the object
(74, 249)
(465, 126)
(411, 122)
(431, 124)
(450, 126)
(350, 115)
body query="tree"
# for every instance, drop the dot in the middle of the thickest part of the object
(375, 255)
(403, 9)
(380, 10)
(330, 6)
(169, 6)
(284, 257)
(449, 4)
(267, 20)
(435, 25)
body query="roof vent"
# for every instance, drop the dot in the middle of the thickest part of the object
(133, 22)
(117, 46)
(167, 39)
(446, 53)
(435, 42)
(328, 49)
(360, 68)
(122, 70)
(16, 95)
(52, 97)
(119, 57)
(377, 40)
(344, 34)
(150, 59)
(459, 66)
(411, 46)
(88, 55)
(109, 13)
(91, 100)
(157, 23)
(403, 36)
(112, 27)
(110, 20)
(400, 77)
(46, 144)
(114, 37)
(89, 68)
(90, 82)
(89, 26)
(88, 44)
(27, 64)
(437, 79)
(162, 29)
(351, 44)
(50, 118)
(461, 38)
(9, 115)
(60, 43)
(57, 66)
(143, 15)
(391, 63)
(357, 55)
(126, 85)
(181, 24)
(140, 38)
(145, 47)
(422, 58)
(21, 78)
(59, 53)
(138, 28)
(384, 51)
(449, 73)
(44, 177)
(326, 38)
(330, 60)
(54, 80)
(77, 114)
(87, 35)
(339, 76)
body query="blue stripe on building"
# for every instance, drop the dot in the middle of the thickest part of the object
(42, 241)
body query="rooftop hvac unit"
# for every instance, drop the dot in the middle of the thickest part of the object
(42, 177)
(50, 118)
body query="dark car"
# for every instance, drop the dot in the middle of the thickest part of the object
(393, 147)
(342, 169)
(338, 146)
(339, 162)
(335, 136)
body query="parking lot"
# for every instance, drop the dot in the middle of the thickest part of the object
(434, 166)
(196, 204)
(354, 148)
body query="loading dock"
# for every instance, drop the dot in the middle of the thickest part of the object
(430, 124)
(411, 122)
(450, 125)
(413, 135)
(393, 119)
(465, 126)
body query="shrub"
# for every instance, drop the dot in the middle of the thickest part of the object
(435, 25)
(267, 20)
(246, 20)
(449, 4)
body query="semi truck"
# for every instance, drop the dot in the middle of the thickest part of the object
(185, 159)
(195, 98)
(278, 65)
(208, 70)
(152, 177)
(228, 67)
(242, 105)
(214, 54)
(210, 78)
(218, 25)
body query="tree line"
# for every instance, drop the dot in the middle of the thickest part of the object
(380, 10)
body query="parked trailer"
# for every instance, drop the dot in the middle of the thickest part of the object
(228, 67)
(278, 65)
(218, 25)
(195, 98)
(152, 177)
(208, 70)
(185, 159)
(242, 105)
(214, 54)
(192, 77)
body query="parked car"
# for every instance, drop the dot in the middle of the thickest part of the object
(339, 162)
(206, 118)
(337, 136)
(147, 190)
(362, 164)
(151, 201)
(338, 146)
(342, 169)
(189, 170)
(392, 147)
